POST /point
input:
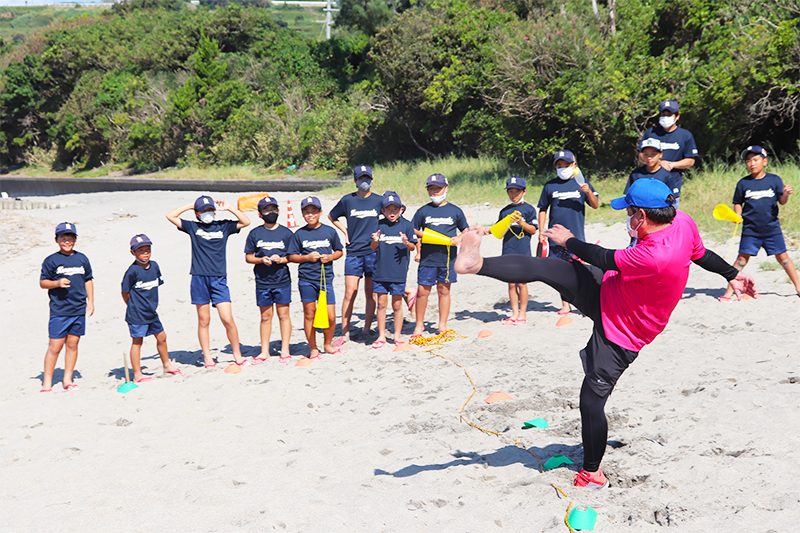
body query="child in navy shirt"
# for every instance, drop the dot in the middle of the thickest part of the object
(566, 199)
(311, 246)
(650, 152)
(517, 241)
(393, 241)
(209, 270)
(756, 199)
(442, 217)
(67, 276)
(140, 294)
(267, 247)
(360, 209)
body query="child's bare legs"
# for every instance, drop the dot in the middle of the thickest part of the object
(444, 304)
(203, 321)
(309, 309)
(513, 297)
(266, 329)
(70, 359)
(383, 301)
(50, 360)
(397, 307)
(285, 323)
(136, 358)
(163, 353)
(523, 301)
(740, 263)
(327, 333)
(409, 293)
(791, 271)
(370, 297)
(350, 291)
(565, 308)
(226, 316)
(423, 292)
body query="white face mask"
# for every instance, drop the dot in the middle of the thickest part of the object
(438, 199)
(633, 232)
(521, 199)
(207, 217)
(666, 122)
(565, 173)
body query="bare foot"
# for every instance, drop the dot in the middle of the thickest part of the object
(469, 260)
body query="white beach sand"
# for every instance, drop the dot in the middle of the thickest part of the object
(703, 426)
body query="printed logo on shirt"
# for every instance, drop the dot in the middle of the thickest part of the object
(313, 245)
(565, 195)
(363, 214)
(438, 221)
(670, 146)
(758, 195)
(147, 285)
(70, 271)
(391, 239)
(270, 245)
(209, 235)
(694, 150)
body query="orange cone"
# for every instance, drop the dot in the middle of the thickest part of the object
(484, 333)
(304, 361)
(290, 222)
(497, 397)
(233, 368)
(403, 347)
(563, 321)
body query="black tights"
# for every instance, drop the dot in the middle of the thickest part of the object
(594, 427)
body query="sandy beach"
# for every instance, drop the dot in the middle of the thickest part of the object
(700, 426)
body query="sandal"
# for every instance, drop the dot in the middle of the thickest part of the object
(285, 359)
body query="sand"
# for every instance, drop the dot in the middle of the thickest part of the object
(703, 426)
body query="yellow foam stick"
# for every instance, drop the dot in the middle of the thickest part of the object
(724, 212)
(500, 228)
(321, 314)
(434, 237)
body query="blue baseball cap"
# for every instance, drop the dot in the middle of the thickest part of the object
(391, 198)
(646, 192)
(66, 227)
(669, 105)
(436, 179)
(362, 170)
(264, 202)
(755, 149)
(311, 200)
(140, 240)
(515, 182)
(566, 155)
(203, 203)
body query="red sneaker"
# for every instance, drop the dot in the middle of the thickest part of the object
(593, 481)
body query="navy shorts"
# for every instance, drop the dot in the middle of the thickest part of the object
(61, 326)
(363, 265)
(387, 287)
(432, 275)
(773, 245)
(210, 289)
(274, 295)
(145, 330)
(309, 292)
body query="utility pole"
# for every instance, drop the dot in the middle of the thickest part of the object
(327, 6)
(328, 19)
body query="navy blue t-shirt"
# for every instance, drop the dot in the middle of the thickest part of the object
(511, 244)
(265, 242)
(759, 201)
(675, 145)
(362, 220)
(142, 286)
(208, 245)
(672, 179)
(567, 204)
(324, 240)
(446, 219)
(70, 301)
(391, 263)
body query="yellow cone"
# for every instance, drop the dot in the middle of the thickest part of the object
(500, 228)
(321, 314)
(724, 212)
(434, 237)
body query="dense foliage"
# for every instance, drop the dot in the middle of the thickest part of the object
(154, 84)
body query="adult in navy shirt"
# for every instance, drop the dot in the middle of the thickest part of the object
(267, 247)
(650, 153)
(209, 285)
(360, 209)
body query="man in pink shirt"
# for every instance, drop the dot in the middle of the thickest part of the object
(629, 294)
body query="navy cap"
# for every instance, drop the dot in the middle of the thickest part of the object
(391, 198)
(755, 149)
(66, 227)
(362, 170)
(311, 200)
(566, 155)
(646, 192)
(264, 202)
(436, 179)
(140, 240)
(203, 203)
(515, 182)
(650, 143)
(669, 105)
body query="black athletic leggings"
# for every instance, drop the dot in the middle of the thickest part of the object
(579, 284)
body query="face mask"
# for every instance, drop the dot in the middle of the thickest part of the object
(565, 173)
(207, 217)
(633, 232)
(270, 218)
(438, 199)
(364, 185)
(522, 199)
(666, 122)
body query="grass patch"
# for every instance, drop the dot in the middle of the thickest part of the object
(769, 266)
